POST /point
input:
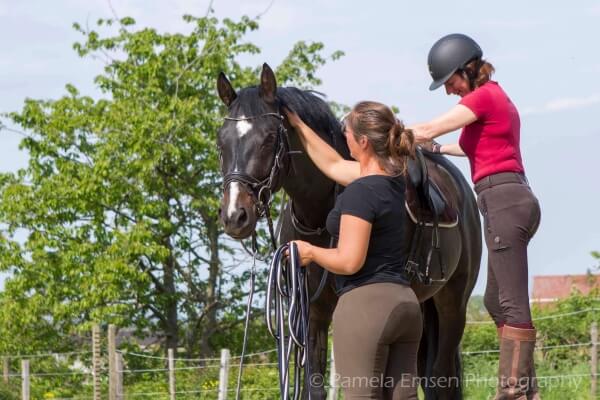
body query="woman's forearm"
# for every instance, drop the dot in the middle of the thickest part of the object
(322, 154)
(326, 158)
(458, 117)
(334, 261)
(453, 149)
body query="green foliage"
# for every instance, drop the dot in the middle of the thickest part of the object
(476, 309)
(115, 218)
(596, 255)
(7, 393)
(580, 312)
(562, 360)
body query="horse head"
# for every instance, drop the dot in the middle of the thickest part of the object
(253, 152)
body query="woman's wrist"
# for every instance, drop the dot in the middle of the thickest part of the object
(436, 147)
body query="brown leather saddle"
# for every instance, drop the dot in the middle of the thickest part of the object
(428, 207)
(425, 201)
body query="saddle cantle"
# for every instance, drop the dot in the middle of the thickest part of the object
(425, 201)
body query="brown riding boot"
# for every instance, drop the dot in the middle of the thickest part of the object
(533, 392)
(515, 367)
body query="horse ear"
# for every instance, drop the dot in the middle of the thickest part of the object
(268, 84)
(226, 91)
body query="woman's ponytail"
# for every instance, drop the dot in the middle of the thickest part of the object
(401, 145)
(390, 140)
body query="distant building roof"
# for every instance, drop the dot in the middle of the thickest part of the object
(128, 335)
(549, 288)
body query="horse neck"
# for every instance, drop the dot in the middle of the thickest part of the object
(311, 192)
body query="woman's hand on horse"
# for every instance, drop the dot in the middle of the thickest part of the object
(293, 118)
(419, 134)
(431, 146)
(304, 251)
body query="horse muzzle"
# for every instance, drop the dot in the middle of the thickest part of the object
(238, 213)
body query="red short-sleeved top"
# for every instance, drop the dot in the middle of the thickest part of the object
(492, 142)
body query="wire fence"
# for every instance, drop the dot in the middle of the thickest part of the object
(140, 374)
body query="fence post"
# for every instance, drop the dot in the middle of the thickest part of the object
(112, 351)
(120, 394)
(96, 360)
(224, 374)
(25, 379)
(6, 370)
(594, 360)
(333, 389)
(171, 374)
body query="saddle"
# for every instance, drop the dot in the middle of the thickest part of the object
(425, 202)
(427, 207)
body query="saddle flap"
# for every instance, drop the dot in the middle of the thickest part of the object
(425, 201)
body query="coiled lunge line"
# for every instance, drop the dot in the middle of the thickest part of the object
(286, 313)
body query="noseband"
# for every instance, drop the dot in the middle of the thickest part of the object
(261, 190)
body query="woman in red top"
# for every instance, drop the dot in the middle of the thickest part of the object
(490, 139)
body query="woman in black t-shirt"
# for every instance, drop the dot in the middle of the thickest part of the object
(377, 322)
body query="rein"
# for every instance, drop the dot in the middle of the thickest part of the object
(286, 314)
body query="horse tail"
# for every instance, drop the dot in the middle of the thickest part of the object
(428, 348)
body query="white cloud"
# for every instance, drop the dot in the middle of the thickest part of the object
(565, 103)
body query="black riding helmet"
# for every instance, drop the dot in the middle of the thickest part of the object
(449, 54)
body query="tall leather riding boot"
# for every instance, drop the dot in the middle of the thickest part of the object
(533, 392)
(515, 367)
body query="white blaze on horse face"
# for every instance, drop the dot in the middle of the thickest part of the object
(243, 127)
(234, 191)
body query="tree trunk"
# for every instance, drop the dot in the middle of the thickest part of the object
(213, 296)
(171, 330)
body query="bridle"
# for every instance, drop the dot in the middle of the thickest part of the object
(261, 190)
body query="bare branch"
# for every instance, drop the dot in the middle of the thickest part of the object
(209, 8)
(18, 132)
(266, 9)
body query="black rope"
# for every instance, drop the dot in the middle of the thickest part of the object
(286, 313)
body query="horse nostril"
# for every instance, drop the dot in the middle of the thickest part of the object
(240, 217)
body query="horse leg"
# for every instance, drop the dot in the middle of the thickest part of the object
(428, 348)
(451, 310)
(320, 314)
(317, 360)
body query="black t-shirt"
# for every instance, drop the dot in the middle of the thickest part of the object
(378, 199)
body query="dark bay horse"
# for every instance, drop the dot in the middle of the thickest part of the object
(260, 154)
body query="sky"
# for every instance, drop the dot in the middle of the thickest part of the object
(545, 53)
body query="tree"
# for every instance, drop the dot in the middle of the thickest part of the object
(118, 203)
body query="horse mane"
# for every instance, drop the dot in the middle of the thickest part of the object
(309, 105)
(315, 112)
